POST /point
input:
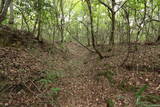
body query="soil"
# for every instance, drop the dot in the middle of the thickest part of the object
(86, 84)
(77, 77)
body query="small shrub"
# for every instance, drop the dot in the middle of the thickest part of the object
(109, 75)
(50, 77)
(110, 103)
(123, 85)
(55, 90)
(141, 100)
(54, 94)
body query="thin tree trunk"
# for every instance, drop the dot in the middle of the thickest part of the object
(97, 31)
(22, 23)
(111, 42)
(53, 35)
(2, 5)
(128, 26)
(35, 25)
(62, 21)
(25, 20)
(39, 21)
(142, 24)
(158, 39)
(4, 10)
(11, 19)
(39, 29)
(92, 30)
(88, 38)
(88, 32)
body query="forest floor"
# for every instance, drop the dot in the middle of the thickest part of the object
(71, 76)
(103, 83)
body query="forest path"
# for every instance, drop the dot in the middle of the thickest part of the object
(77, 89)
(74, 66)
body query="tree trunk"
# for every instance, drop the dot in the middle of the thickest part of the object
(88, 38)
(97, 31)
(53, 36)
(35, 25)
(92, 30)
(158, 39)
(128, 25)
(39, 22)
(62, 21)
(4, 10)
(2, 5)
(88, 32)
(22, 23)
(111, 42)
(11, 19)
(39, 29)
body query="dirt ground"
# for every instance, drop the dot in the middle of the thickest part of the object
(82, 79)
(88, 86)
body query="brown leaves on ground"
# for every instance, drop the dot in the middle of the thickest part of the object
(15, 60)
(19, 73)
(14, 37)
(141, 67)
(84, 80)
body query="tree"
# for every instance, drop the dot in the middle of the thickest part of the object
(158, 39)
(129, 20)
(127, 17)
(4, 9)
(92, 29)
(11, 19)
(113, 14)
(62, 21)
(39, 12)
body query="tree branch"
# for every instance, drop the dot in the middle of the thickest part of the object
(104, 4)
(155, 20)
(121, 5)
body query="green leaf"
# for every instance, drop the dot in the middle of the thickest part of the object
(55, 90)
(110, 103)
(139, 93)
(45, 81)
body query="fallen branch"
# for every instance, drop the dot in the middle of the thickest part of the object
(83, 45)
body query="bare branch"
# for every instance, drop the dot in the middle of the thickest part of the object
(104, 4)
(83, 45)
(121, 5)
(155, 20)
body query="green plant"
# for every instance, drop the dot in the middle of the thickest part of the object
(52, 95)
(49, 78)
(152, 98)
(123, 85)
(110, 103)
(109, 75)
(140, 102)
(55, 90)
(45, 81)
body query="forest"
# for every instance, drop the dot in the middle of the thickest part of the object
(79, 53)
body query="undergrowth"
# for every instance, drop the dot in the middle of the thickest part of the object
(109, 75)
(50, 77)
(124, 86)
(144, 101)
